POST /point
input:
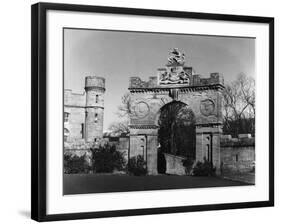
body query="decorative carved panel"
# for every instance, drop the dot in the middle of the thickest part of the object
(141, 109)
(207, 107)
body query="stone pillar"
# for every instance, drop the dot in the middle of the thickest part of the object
(138, 145)
(208, 144)
(199, 153)
(216, 152)
(144, 141)
(152, 143)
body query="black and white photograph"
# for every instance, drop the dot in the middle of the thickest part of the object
(144, 111)
(157, 111)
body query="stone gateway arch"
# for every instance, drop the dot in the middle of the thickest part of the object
(176, 83)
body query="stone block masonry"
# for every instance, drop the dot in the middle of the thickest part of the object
(237, 155)
(174, 164)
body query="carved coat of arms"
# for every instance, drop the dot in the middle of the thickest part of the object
(174, 73)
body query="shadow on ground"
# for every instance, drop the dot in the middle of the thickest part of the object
(90, 183)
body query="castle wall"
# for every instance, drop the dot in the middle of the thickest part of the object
(85, 112)
(79, 149)
(94, 124)
(74, 107)
(75, 123)
(74, 99)
(237, 154)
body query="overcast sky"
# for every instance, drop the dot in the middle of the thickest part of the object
(119, 55)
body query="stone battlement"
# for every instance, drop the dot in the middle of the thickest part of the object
(136, 82)
(195, 80)
(94, 82)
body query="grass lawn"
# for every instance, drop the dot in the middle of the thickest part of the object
(91, 183)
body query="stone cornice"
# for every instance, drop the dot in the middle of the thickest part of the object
(144, 134)
(87, 88)
(183, 89)
(152, 126)
(77, 106)
(213, 125)
(94, 107)
(143, 126)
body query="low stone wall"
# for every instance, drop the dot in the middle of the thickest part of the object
(174, 164)
(237, 154)
(77, 145)
(79, 149)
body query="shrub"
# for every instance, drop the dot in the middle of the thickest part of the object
(137, 166)
(75, 164)
(187, 163)
(106, 159)
(204, 169)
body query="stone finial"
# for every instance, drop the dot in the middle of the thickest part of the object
(176, 57)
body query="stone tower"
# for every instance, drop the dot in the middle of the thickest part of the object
(94, 110)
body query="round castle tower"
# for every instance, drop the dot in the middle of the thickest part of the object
(95, 88)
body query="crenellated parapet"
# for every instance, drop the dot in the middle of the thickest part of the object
(196, 82)
(177, 75)
(136, 82)
(95, 82)
(215, 80)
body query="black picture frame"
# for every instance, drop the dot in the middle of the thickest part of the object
(39, 108)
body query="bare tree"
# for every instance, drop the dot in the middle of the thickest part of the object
(248, 91)
(239, 105)
(124, 110)
(119, 128)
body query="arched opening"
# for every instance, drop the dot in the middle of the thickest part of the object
(176, 134)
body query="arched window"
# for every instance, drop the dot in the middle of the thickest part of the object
(97, 98)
